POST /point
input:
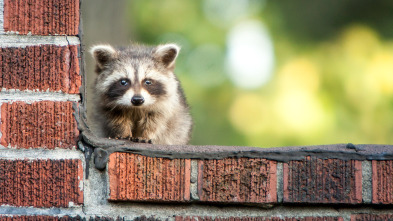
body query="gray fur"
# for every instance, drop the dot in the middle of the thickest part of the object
(163, 117)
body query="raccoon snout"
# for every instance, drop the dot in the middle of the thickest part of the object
(137, 100)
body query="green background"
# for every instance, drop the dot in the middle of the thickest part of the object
(331, 80)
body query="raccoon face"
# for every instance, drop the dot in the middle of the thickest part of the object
(137, 76)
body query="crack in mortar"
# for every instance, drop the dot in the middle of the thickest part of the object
(22, 41)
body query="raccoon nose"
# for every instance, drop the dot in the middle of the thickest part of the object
(137, 100)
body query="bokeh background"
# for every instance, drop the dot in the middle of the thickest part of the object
(267, 73)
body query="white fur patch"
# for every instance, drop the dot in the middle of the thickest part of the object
(115, 76)
(163, 49)
(141, 73)
(130, 72)
(149, 100)
(104, 48)
(125, 100)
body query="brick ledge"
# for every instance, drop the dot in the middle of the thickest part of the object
(104, 147)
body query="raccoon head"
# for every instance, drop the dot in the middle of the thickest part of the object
(137, 76)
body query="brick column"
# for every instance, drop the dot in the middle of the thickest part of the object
(40, 80)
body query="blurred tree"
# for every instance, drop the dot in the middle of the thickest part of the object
(321, 20)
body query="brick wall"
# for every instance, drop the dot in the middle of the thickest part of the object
(53, 168)
(331, 182)
(41, 170)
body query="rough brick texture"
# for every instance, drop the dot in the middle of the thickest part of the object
(46, 124)
(237, 180)
(40, 68)
(39, 218)
(55, 218)
(42, 17)
(323, 181)
(371, 217)
(382, 182)
(199, 218)
(41, 183)
(139, 178)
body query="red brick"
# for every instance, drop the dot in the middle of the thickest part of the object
(134, 177)
(39, 218)
(246, 218)
(382, 181)
(47, 124)
(41, 183)
(40, 17)
(40, 68)
(56, 218)
(237, 180)
(323, 181)
(371, 217)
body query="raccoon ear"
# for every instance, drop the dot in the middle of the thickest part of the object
(103, 54)
(167, 54)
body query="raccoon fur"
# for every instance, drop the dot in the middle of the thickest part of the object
(139, 96)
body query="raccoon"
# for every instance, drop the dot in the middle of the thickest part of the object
(138, 95)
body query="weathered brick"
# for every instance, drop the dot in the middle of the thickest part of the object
(56, 218)
(41, 183)
(46, 124)
(382, 181)
(134, 177)
(40, 17)
(40, 68)
(371, 217)
(323, 181)
(237, 180)
(247, 218)
(39, 218)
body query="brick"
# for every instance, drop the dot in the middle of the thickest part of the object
(371, 217)
(41, 183)
(40, 17)
(246, 218)
(237, 180)
(134, 177)
(39, 218)
(46, 124)
(382, 180)
(40, 68)
(55, 218)
(315, 180)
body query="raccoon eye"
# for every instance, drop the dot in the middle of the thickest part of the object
(148, 82)
(123, 82)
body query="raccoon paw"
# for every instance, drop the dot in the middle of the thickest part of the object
(141, 140)
(115, 138)
(135, 139)
(127, 138)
